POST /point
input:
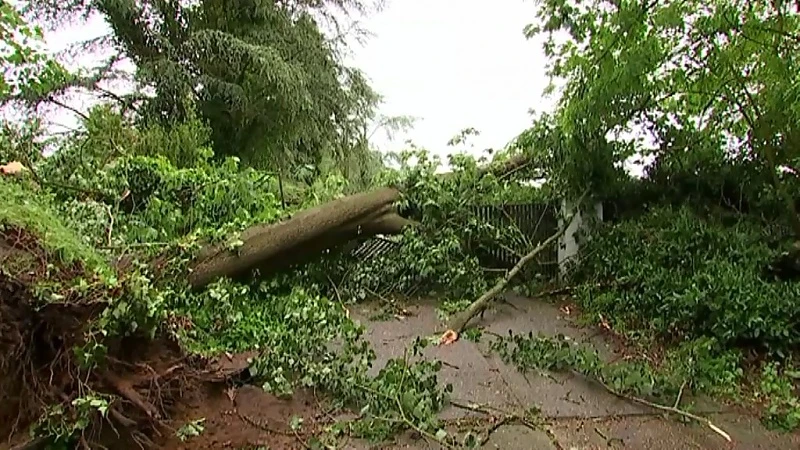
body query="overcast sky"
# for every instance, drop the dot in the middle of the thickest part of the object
(451, 64)
(456, 65)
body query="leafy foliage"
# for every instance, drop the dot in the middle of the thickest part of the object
(679, 276)
(27, 71)
(698, 365)
(34, 212)
(666, 79)
(778, 388)
(693, 279)
(264, 77)
(439, 256)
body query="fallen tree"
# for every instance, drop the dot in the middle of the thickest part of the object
(143, 382)
(270, 247)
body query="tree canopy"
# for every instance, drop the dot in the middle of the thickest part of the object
(270, 85)
(688, 84)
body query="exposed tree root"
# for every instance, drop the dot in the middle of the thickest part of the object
(142, 378)
(126, 391)
(122, 419)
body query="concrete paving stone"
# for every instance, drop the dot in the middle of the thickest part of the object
(523, 315)
(472, 379)
(390, 338)
(658, 433)
(556, 394)
(746, 432)
(519, 437)
(585, 416)
(561, 395)
(652, 433)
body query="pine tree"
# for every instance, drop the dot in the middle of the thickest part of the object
(262, 74)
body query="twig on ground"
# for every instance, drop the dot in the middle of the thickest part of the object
(452, 366)
(608, 440)
(110, 228)
(505, 418)
(669, 409)
(338, 297)
(261, 426)
(488, 434)
(679, 397)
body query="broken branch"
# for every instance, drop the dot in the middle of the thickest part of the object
(670, 409)
(460, 321)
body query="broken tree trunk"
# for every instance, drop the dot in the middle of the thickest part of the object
(461, 320)
(309, 232)
(512, 164)
(312, 230)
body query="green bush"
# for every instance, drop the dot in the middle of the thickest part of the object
(675, 275)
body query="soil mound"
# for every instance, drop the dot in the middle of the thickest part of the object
(243, 417)
(152, 388)
(42, 377)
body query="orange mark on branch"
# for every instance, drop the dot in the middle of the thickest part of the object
(448, 337)
(12, 168)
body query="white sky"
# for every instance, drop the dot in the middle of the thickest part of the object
(451, 65)
(456, 66)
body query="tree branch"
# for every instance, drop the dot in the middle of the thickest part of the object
(461, 320)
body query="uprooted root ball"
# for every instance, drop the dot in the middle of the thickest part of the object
(43, 381)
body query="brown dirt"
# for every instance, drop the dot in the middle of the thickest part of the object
(244, 417)
(37, 367)
(157, 389)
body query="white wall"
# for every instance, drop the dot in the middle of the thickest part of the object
(569, 244)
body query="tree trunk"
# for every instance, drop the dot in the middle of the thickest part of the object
(268, 247)
(275, 246)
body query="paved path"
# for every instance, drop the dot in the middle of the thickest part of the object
(578, 414)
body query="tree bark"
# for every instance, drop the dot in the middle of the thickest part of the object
(269, 247)
(313, 230)
(508, 166)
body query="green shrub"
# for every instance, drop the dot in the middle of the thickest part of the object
(675, 275)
